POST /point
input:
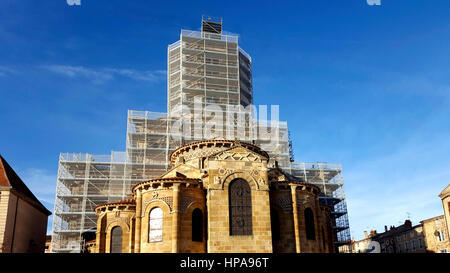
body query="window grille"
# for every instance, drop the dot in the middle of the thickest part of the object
(240, 205)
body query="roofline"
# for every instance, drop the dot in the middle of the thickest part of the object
(300, 183)
(19, 187)
(445, 192)
(117, 203)
(258, 149)
(290, 180)
(432, 218)
(25, 198)
(167, 179)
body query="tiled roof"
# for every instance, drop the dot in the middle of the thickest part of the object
(9, 178)
(393, 231)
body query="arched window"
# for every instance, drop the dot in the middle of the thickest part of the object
(240, 205)
(155, 225)
(309, 223)
(197, 225)
(116, 240)
(275, 221)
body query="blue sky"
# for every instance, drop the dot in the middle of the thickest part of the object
(364, 86)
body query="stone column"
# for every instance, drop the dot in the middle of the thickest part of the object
(208, 221)
(296, 220)
(137, 233)
(175, 218)
(100, 235)
(317, 225)
(131, 238)
(98, 242)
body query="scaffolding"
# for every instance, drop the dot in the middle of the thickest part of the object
(206, 69)
(210, 67)
(328, 177)
(84, 181)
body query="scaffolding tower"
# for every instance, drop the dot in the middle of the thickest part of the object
(207, 69)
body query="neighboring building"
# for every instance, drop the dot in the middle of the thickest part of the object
(431, 235)
(366, 245)
(23, 219)
(401, 239)
(347, 248)
(48, 244)
(218, 196)
(207, 67)
(436, 235)
(410, 240)
(445, 197)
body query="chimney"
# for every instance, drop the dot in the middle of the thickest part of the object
(373, 233)
(408, 223)
(365, 235)
(385, 229)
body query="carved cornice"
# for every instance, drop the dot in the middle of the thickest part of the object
(165, 182)
(128, 204)
(220, 144)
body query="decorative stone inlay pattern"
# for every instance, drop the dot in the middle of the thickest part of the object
(238, 156)
(239, 174)
(217, 180)
(205, 152)
(261, 181)
(123, 220)
(285, 203)
(166, 199)
(185, 202)
(225, 172)
(304, 199)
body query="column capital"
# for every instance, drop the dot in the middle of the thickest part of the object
(176, 187)
(293, 187)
